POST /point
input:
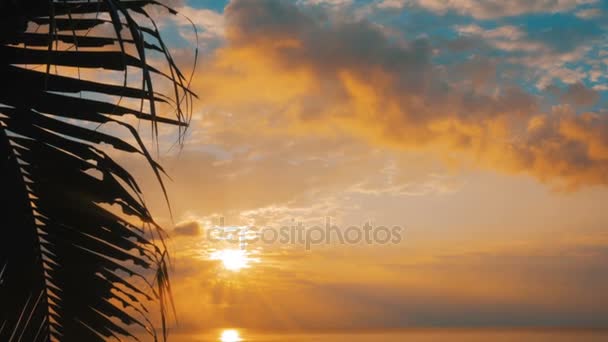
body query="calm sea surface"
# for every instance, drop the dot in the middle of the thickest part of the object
(410, 335)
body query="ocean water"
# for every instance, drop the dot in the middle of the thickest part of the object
(410, 335)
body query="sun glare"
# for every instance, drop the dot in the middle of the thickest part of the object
(232, 259)
(230, 335)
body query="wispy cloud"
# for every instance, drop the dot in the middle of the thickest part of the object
(489, 9)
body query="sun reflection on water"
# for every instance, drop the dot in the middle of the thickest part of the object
(230, 335)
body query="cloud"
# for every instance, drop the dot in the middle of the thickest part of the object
(307, 73)
(190, 228)
(579, 95)
(589, 13)
(275, 180)
(329, 3)
(503, 32)
(507, 38)
(490, 9)
(600, 87)
(207, 21)
(543, 53)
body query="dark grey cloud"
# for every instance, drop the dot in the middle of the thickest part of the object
(191, 228)
(579, 95)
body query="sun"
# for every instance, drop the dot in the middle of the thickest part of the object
(230, 335)
(232, 259)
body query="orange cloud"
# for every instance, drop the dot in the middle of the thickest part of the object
(301, 73)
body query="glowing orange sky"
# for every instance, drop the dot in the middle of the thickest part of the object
(500, 189)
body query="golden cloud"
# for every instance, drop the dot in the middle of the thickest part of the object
(294, 72)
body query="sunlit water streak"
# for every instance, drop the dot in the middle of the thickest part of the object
(416, 335)
(230, 335)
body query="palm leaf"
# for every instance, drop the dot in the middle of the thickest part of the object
(72, 267)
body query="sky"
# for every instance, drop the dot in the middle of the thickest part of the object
(477, 127)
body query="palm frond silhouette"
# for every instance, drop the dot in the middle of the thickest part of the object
(73, 268)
